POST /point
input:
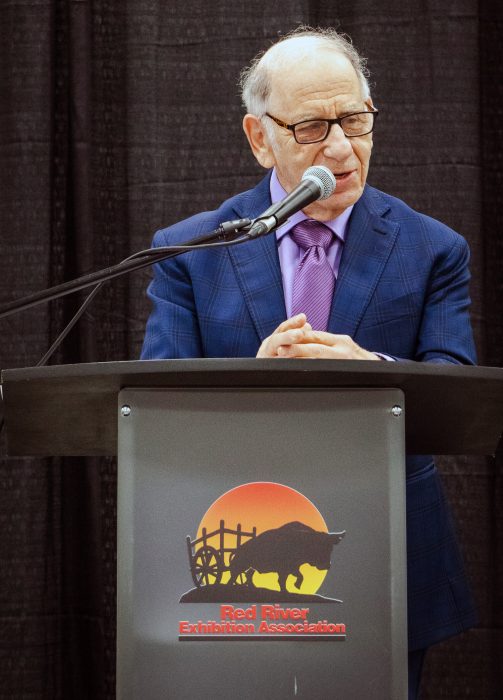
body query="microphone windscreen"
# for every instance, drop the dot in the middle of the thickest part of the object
(323, 177)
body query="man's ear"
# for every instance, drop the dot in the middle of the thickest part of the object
(258, 140)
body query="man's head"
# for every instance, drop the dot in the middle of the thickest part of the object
(309, 75)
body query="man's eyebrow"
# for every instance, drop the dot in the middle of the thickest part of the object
(351, 109)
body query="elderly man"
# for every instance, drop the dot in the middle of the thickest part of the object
(358, 275)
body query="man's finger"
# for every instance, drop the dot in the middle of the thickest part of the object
(270, 345)
(294, 322)
(305, 350)
(324, 338)
(289, 337)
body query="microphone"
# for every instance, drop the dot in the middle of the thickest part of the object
(318, 182)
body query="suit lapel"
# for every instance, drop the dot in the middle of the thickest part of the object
(257, 268)
(369, 242)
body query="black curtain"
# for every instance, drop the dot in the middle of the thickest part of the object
(118, 118)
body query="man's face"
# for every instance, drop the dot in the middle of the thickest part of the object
(322, 86)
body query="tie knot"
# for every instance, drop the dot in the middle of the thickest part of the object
(311, 233)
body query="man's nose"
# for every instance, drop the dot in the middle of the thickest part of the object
(337, 145)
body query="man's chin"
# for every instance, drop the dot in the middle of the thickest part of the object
(334, 206)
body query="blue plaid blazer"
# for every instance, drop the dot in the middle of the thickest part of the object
(402, 290)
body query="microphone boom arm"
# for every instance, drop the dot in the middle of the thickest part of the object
(225, 233)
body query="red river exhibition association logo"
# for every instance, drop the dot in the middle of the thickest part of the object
(258, 547)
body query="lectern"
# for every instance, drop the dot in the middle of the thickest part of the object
(261, 510)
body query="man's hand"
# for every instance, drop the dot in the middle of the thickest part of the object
(295, 338)
(288, 334)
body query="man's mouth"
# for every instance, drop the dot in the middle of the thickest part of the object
(343, 176)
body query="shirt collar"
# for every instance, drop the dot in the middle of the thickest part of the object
(339, 225)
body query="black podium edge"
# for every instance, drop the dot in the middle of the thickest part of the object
(72, 409)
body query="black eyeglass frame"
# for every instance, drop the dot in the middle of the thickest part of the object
(329, 122)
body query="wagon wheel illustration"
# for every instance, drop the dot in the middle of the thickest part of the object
(206, 567)
(245, 577)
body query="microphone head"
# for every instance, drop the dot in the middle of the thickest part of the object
(323, 178)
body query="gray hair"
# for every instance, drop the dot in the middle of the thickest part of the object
(255, 79)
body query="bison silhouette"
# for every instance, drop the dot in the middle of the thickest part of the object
(284, 550)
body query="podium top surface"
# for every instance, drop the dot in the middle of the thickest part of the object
(72, 409)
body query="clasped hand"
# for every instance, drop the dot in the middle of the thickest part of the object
(295, 338)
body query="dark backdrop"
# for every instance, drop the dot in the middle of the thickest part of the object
(117, 118)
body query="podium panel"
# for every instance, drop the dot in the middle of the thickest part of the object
(261, 544)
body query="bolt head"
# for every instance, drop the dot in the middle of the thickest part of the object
(126, 411)
(396, 411)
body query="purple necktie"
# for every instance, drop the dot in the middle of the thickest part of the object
(314, 280)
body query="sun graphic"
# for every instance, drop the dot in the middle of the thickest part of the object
(251, 509)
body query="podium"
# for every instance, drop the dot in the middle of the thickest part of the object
(261, 510)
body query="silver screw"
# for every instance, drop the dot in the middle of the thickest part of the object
(396, 411)
(126, 411)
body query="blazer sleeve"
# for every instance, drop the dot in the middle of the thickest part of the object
(445, 334)
(172, 328)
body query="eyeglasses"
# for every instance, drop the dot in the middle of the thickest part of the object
(314, 130)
